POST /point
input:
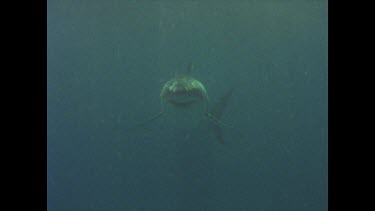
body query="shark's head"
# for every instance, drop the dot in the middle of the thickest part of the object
(183, 91)
(185, 100)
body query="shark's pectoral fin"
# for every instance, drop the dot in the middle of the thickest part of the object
(155, 117)
(216, 113)
(217, 127)
(218, 134)
(149, 120)
(214, 120)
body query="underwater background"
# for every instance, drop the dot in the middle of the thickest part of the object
(106, 64)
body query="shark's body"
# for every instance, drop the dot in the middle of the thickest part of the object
(187, 100)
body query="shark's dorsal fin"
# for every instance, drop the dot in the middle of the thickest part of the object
(189, 68)
(187, 72)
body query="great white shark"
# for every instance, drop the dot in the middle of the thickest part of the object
(186, 95)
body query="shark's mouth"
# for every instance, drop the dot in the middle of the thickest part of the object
(183, 91)
(183, 98)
